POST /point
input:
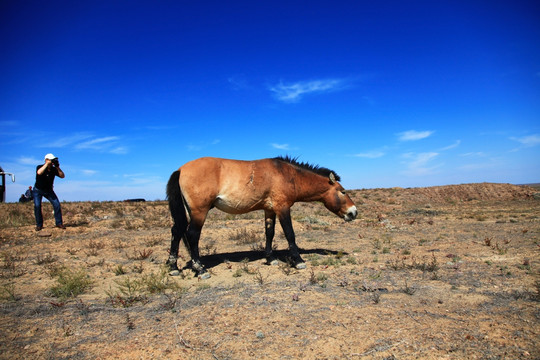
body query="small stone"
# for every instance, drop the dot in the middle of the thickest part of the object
(174, 273)
(259, 334)
(204, 276)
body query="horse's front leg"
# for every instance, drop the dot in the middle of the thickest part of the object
(269, 229)
(286, 224)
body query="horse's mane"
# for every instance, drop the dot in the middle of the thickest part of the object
(310, 167)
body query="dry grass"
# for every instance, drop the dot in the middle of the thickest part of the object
(424, 273)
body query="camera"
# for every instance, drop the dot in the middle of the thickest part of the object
(55, 162)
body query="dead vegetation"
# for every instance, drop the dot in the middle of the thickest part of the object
(445, 272)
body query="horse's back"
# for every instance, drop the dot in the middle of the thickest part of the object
(213, 167)
(231, 185)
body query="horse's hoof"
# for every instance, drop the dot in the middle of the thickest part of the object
(204, 276)
(174, 272)
(300, 266)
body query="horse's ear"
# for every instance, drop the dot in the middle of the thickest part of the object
(332, 178)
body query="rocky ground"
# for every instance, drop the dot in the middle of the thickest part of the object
(440, 272)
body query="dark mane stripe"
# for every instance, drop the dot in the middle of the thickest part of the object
(313, 168)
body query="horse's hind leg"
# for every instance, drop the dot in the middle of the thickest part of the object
(193, 235)
(176, 233)
(270, 224)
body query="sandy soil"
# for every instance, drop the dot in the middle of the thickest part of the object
(432, 273)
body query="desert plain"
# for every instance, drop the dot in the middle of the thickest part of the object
(449, 272)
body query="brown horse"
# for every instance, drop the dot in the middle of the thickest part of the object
(238, 187)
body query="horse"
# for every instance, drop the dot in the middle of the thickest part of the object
(238, 187)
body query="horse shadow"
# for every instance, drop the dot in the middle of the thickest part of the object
(213, 260)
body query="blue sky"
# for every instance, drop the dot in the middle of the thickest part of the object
(386, 93)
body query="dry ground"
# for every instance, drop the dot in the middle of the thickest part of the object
(443, 272)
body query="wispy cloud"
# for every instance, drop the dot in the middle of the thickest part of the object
(478, 166)
(474, 154)
(370, 154)
(24, 160)
(88, 172)
(88, 141)
(452, 146)
(100, 144)
(281, 146)
(103, 144)
(238, 82)
(419, 164)
(293, 92)
(528, 141)
(120, 150)
(8, 123)
(413, 135)
(65, 141)
(201, 146)
(161, 127)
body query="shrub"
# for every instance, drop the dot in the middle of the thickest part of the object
(157, 283)
(70, 283)
(14, 215)
(10, 267)
(45, 259)
(245, 237)
(127, 294)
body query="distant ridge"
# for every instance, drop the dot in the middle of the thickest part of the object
(463, 193)
(534, 185)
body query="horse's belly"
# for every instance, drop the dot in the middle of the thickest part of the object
(238, 206)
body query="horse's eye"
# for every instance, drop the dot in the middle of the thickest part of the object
(343, 192)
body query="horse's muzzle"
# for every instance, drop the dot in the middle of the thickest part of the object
(351, 213)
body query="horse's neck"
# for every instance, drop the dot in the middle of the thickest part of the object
(310, 187)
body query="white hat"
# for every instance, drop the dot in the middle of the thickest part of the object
(50, 157)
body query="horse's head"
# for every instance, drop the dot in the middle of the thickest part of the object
(337, 201)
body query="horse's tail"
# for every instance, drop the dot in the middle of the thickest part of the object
(176, 202)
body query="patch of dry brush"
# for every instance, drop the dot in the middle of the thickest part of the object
(427, 273)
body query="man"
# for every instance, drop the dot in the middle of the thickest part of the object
(44, 188)
(28, 194)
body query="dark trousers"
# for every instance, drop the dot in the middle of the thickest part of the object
(53, 199)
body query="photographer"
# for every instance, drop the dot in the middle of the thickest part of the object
(44, 188)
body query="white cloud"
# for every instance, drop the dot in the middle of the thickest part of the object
(418, 164)
(66, 140)
(474, 154)
(24, 160)
(452, 146)
(479, 166)
(103, 144)
(194, 147)
(120, 150)
(238, 82)
(528, 141)
(89, 172)
(161, 127)
(202, 146)
(370, 154)
(281, 146)
(10, 123)
(293, 92)
(97, 144)
(412, 135)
